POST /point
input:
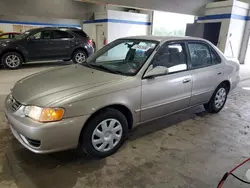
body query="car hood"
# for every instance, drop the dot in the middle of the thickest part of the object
(59, 83)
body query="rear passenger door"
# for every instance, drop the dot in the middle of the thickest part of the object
(207, 71)
(61, 44)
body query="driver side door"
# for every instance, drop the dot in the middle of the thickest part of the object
(39, 45)
(171, 92)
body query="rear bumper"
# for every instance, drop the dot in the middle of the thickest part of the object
(45, 137)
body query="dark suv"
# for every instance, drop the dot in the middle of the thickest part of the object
(46, 44)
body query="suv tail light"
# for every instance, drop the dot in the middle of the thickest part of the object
(90, 42)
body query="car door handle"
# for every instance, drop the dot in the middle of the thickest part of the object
(219, 73)
(186, 80)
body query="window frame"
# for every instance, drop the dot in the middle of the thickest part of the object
(171, 42)
(69, 34)
(157, 46)
(51, 34)
(41, 39)
(74, 32)
(210, 48)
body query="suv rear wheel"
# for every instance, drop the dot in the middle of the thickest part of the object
(12, 60)
(79, 56)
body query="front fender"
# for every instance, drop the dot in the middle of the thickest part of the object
(129, 98)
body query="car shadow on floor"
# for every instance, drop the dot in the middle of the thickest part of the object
(165, 122)
(62, 169)
(58, 170)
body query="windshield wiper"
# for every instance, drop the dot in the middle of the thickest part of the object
(106, 69)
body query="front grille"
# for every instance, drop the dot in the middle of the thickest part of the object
(15, 105)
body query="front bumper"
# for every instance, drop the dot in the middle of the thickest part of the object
(48, 137)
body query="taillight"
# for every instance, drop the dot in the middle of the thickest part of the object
(90, 42)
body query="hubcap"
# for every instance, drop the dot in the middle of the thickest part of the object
(12, 61)
(107, 135)
(80, 57)
(220, 98)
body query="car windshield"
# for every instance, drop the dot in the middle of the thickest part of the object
(123, 56)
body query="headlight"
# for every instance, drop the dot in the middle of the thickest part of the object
(44, 114)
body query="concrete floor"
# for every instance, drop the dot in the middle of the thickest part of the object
(185, 150)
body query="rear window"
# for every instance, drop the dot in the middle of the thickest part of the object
(81, 33)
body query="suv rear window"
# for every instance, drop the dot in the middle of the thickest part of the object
(81, 33)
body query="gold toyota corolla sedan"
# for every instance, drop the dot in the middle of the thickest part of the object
(130, 81)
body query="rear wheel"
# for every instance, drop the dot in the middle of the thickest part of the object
(105, 133)
(79, 56)
(12, 60)
(218, 99)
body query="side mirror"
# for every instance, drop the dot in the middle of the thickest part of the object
(157, 71)
(32, 37)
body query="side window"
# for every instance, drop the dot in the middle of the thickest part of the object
(215, 57)
(38, 35)
(61, 35)
(14, 35)
(171, 56)
(46, 35)
(200, 55)
(81, 33)
(42, 35)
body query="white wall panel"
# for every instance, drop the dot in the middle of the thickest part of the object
(117, 30)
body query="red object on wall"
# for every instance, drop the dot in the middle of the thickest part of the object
(104, 41)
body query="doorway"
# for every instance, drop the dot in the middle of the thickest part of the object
(208, 31)
(212, 32)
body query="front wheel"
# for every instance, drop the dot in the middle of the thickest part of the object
(12, 60)
(79, 56)
(218, 99)
(105, 133)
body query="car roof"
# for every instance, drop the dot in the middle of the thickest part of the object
(64, 28)
(163, 38)
(53, 28)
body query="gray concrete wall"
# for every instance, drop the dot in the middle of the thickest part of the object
(21, 18)
(68, 9)
(192, 7)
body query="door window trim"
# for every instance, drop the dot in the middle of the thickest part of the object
(210, 48)
(34, 33)
(184, 42)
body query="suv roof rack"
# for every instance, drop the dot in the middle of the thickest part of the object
(67, 27)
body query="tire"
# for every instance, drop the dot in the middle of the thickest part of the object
(79, 56)
(97, 142)
(12, 60)
(218, 99)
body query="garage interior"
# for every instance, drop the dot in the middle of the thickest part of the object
(188, 149)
